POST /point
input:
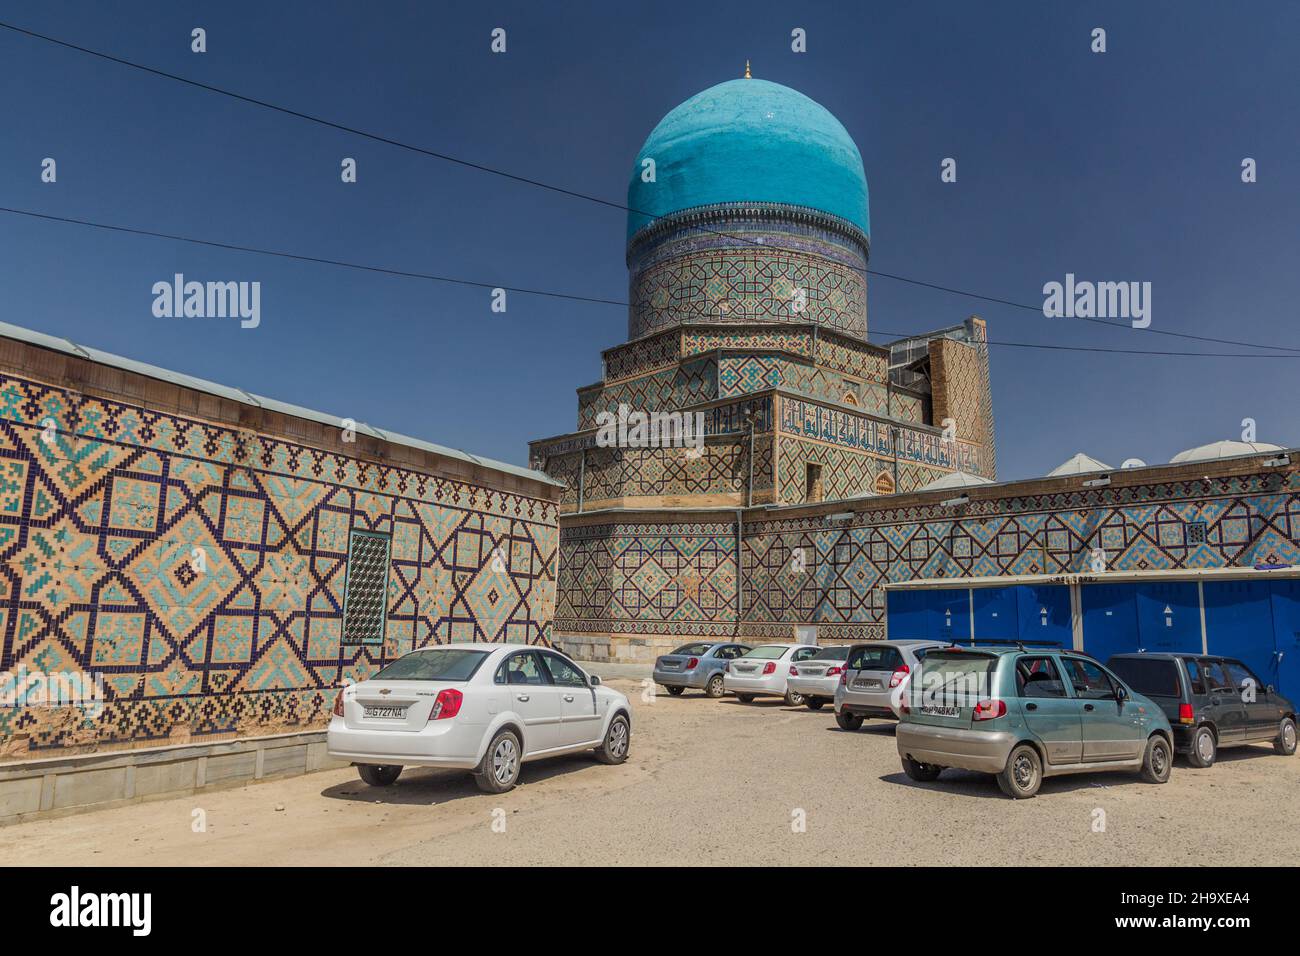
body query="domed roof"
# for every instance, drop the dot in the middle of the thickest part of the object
(1079, 464)
(956, 479)
(1223, 449)
(749, 141)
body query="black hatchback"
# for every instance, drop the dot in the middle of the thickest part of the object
(1211, 702)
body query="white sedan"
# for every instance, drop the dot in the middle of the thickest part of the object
(764, 670)
(487, 708)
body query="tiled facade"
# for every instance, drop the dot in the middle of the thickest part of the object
(196, 557)
(637, 583)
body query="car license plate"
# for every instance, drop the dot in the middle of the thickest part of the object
(389, 713)
(865, 682)
(932, 711)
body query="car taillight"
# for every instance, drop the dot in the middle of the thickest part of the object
(338, 704)
(844, 676)
(1185, 715)
(447, 704)
(726, 668)
(794, 671)
(900, 673)
(989, 710)
(692, 663)
(832, 671)
(769, 667)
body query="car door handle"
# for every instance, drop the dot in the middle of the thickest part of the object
(568, 698)
(1031, 706)
(523, 697)
(1088, 707)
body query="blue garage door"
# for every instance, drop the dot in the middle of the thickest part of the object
(1110, 619)
(1044, 613)
(997, 614)
(1239, 623)
(907, 615)
(949, 616)
(1286, 638)
(1169, 617)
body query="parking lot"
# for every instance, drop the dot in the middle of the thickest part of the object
(708, 781)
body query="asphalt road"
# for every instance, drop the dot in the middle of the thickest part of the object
(708, 782)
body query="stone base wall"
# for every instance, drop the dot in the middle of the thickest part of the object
(59, 786)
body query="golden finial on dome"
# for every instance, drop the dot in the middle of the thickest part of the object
(748, 76)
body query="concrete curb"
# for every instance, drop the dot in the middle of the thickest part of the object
(59, 786)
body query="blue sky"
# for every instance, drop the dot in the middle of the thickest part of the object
(1118, 166)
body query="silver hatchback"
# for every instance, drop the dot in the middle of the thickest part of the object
(874, 679)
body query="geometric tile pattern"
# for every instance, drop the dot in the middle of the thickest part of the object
(199, 569)
(690, 383)
(961, 390)
(734, 264)
(799, 570)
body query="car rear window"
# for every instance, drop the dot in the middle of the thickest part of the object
(875, 658)
(693, 649)
(449, 663)
(831, 654)
(1149, 677)
(951, 678)
(770, 652)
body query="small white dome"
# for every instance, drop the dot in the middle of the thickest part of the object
(958, 479)
(1080, 464)
(1223, 449)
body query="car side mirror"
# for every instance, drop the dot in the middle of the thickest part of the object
(593, 679)
(1270, 689)
(1121, 694)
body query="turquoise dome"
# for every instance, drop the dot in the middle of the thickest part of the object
(749, 141)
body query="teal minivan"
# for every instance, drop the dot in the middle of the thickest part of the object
(1025, 713)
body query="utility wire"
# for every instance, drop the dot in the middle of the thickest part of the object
(574, 194)
(408, 274)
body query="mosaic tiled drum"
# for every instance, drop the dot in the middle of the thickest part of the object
(748, 263)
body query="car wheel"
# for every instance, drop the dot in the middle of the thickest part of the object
(848, 721)
(378, 775)
(617, 741)
(1285, 741)
(923, 772)
(1158, 762)
(1204, 749)
(715, 688)
(499, 770)
(793, 699)
(675, 691)
(746, 698)
(814, 703)
(1023, 774)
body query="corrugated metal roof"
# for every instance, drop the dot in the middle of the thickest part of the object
(70, 347)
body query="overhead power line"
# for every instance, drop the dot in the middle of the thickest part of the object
(575, 194)
(455, 280)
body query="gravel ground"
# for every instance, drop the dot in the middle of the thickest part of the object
(708, 782)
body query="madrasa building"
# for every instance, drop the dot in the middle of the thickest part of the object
(838, 481)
